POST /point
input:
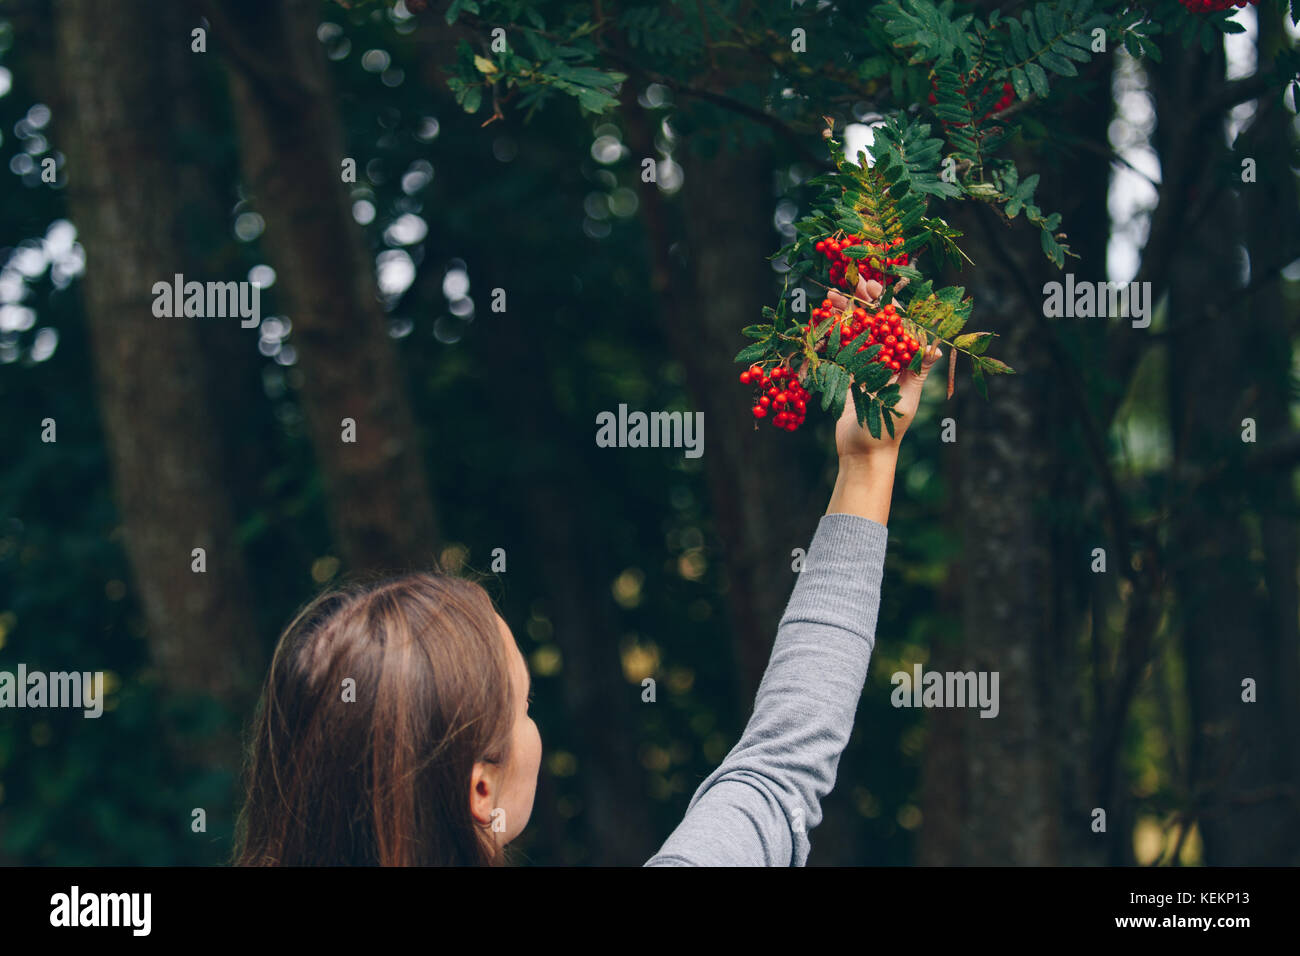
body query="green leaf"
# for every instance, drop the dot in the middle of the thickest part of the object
(888, 414)
(907, 272)
(949, 325)
(1032, 30)
(977, 376)
(596, 101)
(821, 329)
(817, 378)
(848, 351)
(830, 378)
(875, 376)
(952, 295)
(973, 342)
(1046, 26)
(860, 404)
(858, 361)
(1077, 47)
(1052, 248)
(873, 419)
(751, 352)
(1021, 82)
(922, 291)
(759, 331)
(908, 222)
(994, 367)
(841, 393)
(1057, 63)
(1018, 43)
(917, 359)
(1037, 78)
(473, 99)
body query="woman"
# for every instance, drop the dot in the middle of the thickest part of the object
(394, 729)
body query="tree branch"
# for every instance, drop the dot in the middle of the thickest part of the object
(1236, 92)
(794, 137)
(1108, 153)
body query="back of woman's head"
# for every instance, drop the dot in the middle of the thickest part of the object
(379, 701)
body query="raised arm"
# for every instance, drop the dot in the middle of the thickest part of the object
(757, 807)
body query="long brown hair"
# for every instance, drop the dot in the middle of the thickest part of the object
(379, 776)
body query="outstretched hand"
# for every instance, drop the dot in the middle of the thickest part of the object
(853, 439)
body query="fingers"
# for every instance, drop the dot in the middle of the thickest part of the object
(932, 353)
(868, 290)
(928, 359)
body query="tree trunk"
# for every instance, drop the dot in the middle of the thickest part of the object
(149, 372)
(1273, 241)
(1015, 789)
(378, 491)
(1230, 360)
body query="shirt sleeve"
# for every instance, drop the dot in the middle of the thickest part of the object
(757, 807)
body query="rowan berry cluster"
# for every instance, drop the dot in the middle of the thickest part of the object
(1008, 97)
(833, 249)
(884, 328)
(1207, 6)
(779, 395)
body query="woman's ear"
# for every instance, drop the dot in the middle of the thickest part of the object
(483, 791)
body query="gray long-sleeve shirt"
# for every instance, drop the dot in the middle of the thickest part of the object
(756, 809)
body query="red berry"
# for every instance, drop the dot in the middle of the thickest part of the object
(759, 411)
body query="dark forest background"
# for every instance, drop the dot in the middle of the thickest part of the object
(1119, 690)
